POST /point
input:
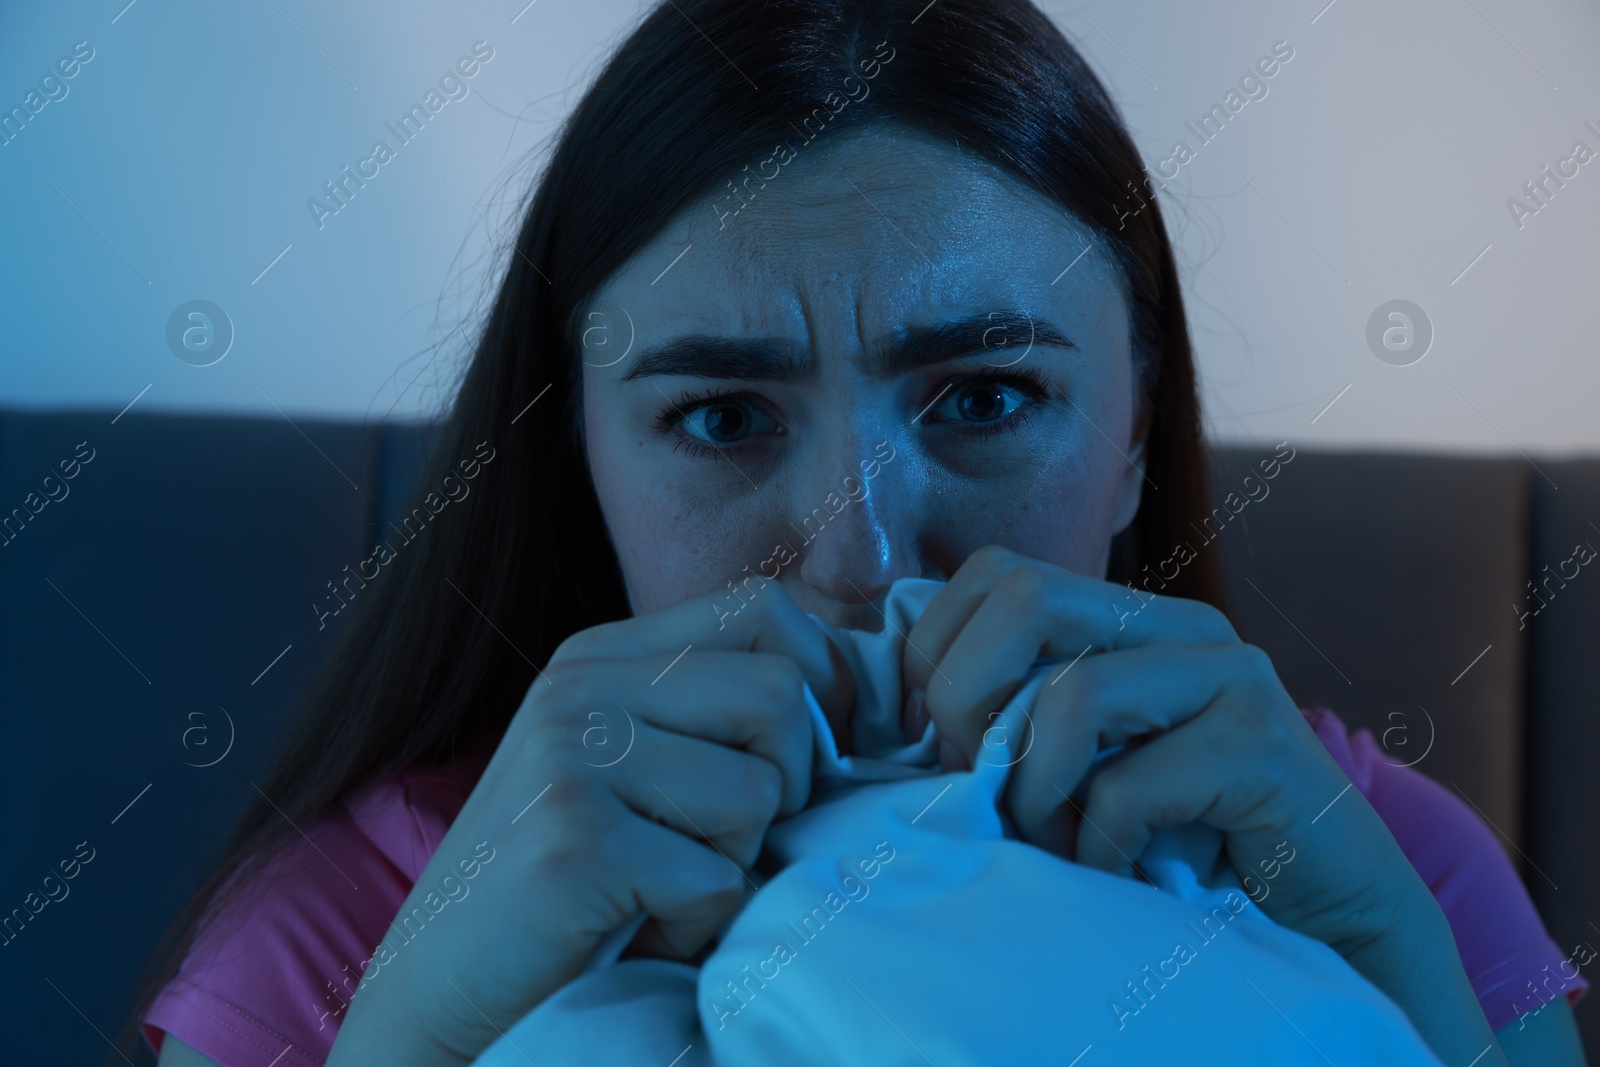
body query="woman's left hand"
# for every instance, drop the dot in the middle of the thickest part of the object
(1226, 745)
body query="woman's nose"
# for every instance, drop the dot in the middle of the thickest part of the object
(859, 538)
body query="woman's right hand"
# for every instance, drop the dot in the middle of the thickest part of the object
(706, 741)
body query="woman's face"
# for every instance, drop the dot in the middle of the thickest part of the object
(890, 357)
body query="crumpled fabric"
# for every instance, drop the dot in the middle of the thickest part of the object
(902, 921)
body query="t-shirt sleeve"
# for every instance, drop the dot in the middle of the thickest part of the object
(269, 981)
(1510, 959)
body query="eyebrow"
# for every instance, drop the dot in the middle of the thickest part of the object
(776, 359)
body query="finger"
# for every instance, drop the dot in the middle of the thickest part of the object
(656, 940)
(1128, 801)
(1110, 699)
(949, 609)
(1058, 613)
(769, 622)
(748, 700)
(914, 716)
(710, 792)
(1206, 770)
(692, 890)
(1038, 613)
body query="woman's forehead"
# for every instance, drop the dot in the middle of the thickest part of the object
(884, 230)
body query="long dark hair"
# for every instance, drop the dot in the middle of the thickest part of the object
(443, 648)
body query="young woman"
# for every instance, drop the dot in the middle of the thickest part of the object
(828, 292)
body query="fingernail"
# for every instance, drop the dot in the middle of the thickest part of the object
(914, 716)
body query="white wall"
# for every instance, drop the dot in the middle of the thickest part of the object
(1378, 166)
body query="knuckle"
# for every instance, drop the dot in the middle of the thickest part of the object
(1258, 677)
(573, 682)
(575, 712)
(1106, 795)
(1263, 706)
(1278, 750)
(573, 796)
(724, 885)
(781, 595)
(774, 604)
(577, 821)
(1024, 589)
(779, 683)
(610, 858)
(762, 787)
(1255, 662)
(990, 558)
(1280, 743)
(1081, 688)
(1210, 620)
(586, 642)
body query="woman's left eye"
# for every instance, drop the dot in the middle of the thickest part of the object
(983, 401)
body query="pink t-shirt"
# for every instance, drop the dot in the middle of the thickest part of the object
(272, 988)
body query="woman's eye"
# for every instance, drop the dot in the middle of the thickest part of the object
(725, 422)
(979, 402)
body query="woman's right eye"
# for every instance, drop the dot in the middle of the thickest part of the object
(725, 422)
(708, 425)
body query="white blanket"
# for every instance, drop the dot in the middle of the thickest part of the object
(906, 924)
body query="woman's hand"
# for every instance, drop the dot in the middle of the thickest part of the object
(1224, 746)
(639, 775)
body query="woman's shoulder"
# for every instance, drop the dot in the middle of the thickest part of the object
(1457, 852)
(271, 973)
(406, 815)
